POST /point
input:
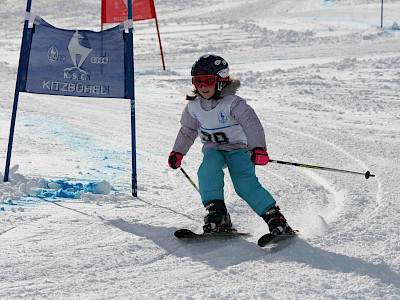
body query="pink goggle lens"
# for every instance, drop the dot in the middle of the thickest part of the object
(207, 80)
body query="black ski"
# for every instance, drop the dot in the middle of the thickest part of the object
(270, 238)
(188, 234)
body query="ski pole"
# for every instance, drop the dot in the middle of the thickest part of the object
(190, 180)
(366, 174)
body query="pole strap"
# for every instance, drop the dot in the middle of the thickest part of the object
(126, 25)
(35, 19)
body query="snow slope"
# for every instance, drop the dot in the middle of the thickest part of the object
(324, 80)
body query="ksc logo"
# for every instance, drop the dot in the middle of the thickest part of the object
(78, 53)
(54, 56)
(76, 50)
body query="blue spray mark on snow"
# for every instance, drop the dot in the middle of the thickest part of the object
(108, 164)
(328, 3)
(70, 190)
(56, 191)
(23, 202)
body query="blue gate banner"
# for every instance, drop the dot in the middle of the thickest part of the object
(80, 63)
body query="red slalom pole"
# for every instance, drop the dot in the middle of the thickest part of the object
(158, 33)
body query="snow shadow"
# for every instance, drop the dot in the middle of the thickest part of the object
(222, 253)
(166, 208)
(303, 253)
(218, 254)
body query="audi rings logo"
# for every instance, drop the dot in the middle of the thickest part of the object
(99, 60)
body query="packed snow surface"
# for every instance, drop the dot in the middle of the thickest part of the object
(324, 79)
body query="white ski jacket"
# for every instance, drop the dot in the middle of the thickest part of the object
(248, 125)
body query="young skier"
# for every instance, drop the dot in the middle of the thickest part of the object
(229, 129)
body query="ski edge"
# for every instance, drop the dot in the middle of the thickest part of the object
(270, 238)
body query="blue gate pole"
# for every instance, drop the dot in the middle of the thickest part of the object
(382, 14)
(17, 90)
(131, 95)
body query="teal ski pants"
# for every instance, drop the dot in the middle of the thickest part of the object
(242, 172)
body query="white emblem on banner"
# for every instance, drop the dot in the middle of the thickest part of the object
(75, 48)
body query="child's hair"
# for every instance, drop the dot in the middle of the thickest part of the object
(192, 96)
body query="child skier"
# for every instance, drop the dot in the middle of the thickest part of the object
(229, 129)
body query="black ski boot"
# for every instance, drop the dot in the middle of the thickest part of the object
(276, 222)
(217, 219)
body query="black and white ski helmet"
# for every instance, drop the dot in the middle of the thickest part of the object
(211, 64)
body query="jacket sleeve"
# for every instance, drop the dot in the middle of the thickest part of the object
(187, 134)
(245, 115)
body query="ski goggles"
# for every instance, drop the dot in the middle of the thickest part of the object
(207, 80)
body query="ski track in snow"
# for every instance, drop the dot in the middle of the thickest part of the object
(339, 196)
(323, 78)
